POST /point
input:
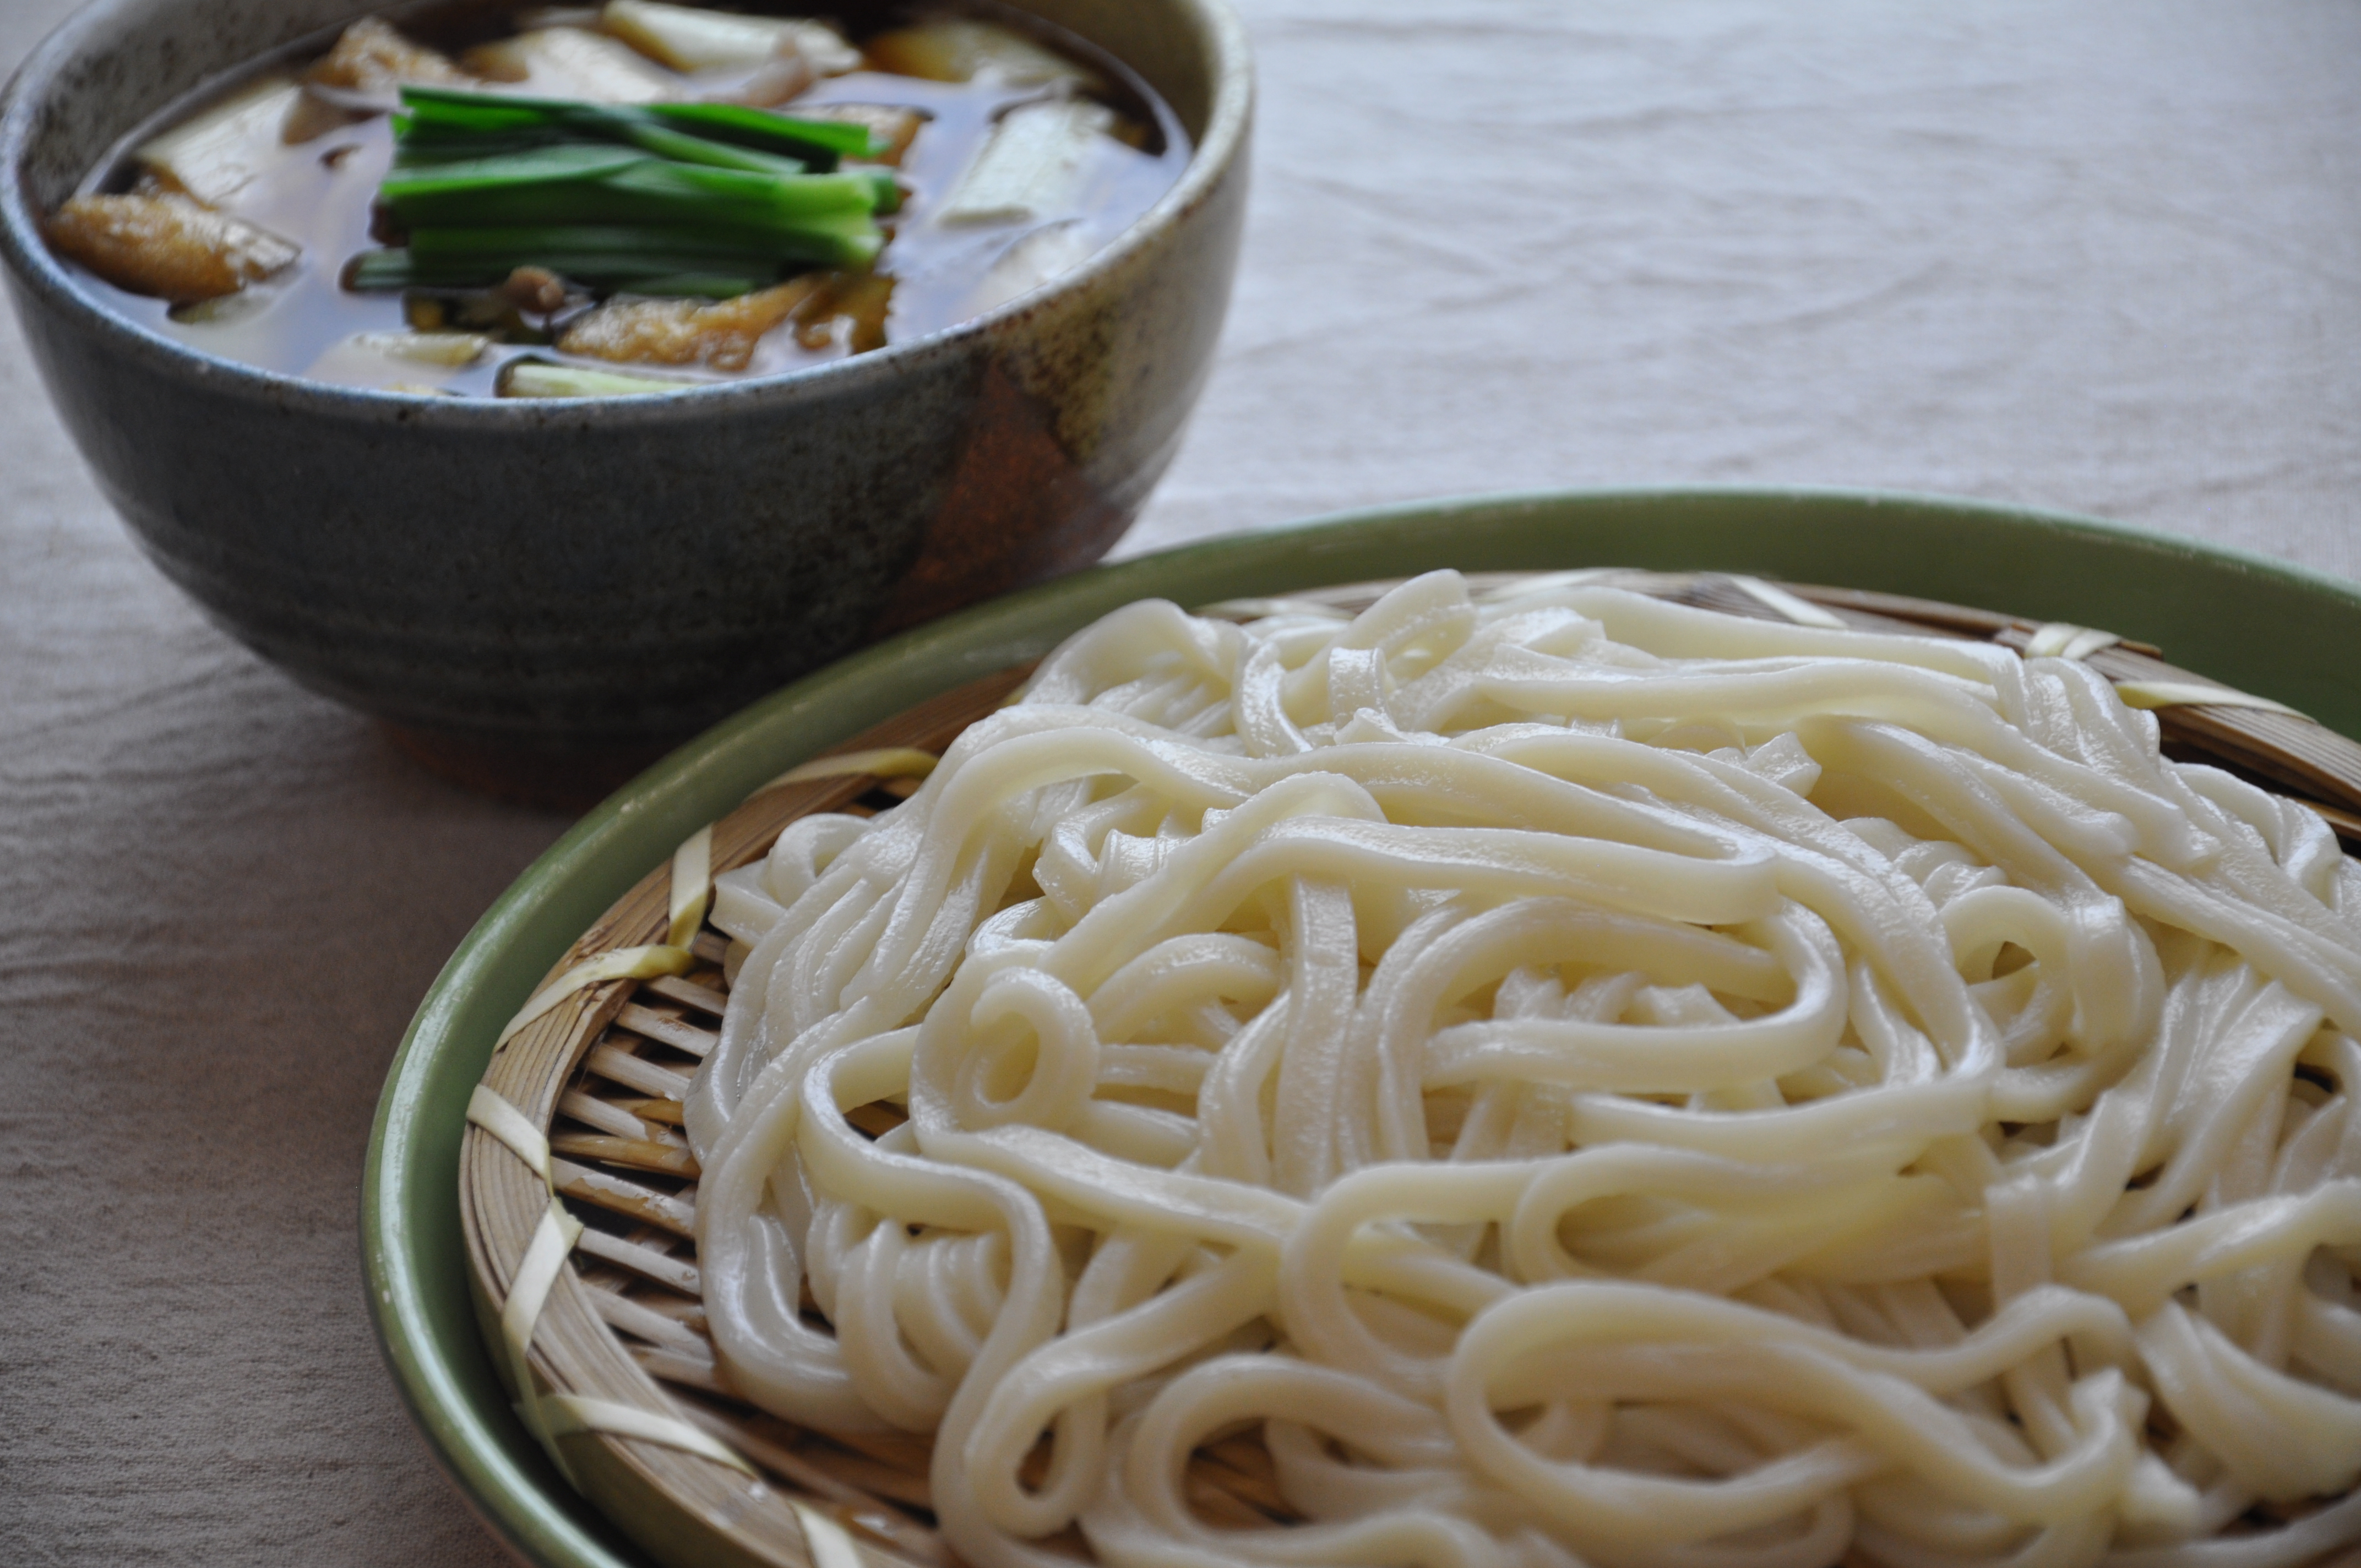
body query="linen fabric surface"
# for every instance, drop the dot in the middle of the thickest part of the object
(2101, 256)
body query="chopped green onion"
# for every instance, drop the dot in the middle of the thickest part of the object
(727, 122)
(826, 242)
(501, 171)
(682, 148)
(731, 195)
(538, 378)
(375, 271)
(436, 113)
(645, 191)
(641, 270)
(617, 197)
(426, 110)
(885, 193)
(697, 285)
(432, 151)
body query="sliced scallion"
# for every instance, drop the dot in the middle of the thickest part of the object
(648, 191)
(620, 197)
(682, 148)
(729, 122)
(539, 378)
(431, 114)
(696, 286)
(639, 270)
(823, 241)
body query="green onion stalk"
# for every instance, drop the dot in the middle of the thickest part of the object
(694, 199)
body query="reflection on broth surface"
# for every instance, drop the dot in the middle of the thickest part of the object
(1001, 155)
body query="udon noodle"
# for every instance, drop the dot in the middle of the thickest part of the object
(1587, 1080)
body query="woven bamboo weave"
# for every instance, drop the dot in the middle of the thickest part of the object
(602, 1075)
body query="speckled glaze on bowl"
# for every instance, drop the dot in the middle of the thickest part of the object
(562, 579)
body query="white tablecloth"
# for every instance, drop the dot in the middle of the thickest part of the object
(2104, 256)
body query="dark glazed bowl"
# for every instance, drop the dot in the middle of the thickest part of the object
(512, 581)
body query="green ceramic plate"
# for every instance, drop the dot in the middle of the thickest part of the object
(2257, 624)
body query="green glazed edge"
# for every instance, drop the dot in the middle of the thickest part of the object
(2256, 623)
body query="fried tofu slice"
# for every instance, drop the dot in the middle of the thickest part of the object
(166, 246)
(374, 57)
(849, 311)
(961, 48)
(721, 334)
(371, 59)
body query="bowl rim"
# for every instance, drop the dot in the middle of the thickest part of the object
(479, 1444)
(45, 282)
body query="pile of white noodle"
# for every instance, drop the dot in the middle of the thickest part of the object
(1591, 1081)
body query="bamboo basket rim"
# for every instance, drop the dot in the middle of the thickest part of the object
(622, 1321)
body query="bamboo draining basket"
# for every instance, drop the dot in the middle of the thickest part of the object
(601, 1075)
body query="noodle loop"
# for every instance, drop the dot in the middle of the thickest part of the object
(1588, 1081)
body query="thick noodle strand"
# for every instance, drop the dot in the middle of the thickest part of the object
(1588, 1080)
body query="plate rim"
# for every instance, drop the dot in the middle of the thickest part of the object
(485, 1453)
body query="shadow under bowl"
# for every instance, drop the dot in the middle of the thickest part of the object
(532, 591)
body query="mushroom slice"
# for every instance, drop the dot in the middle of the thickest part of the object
(166, 246)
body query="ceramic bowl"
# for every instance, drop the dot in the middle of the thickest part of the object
(2256, 624)
(505, 581)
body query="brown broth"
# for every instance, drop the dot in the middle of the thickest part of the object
(318, 193)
